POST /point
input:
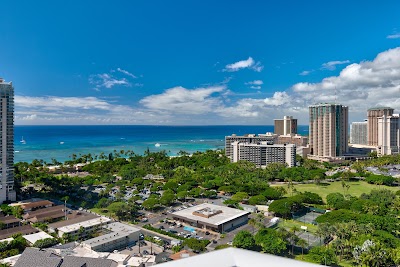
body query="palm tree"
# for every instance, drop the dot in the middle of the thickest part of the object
(293, 236)
(302, 243)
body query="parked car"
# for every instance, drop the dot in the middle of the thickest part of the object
(161, 227)
(207, 233)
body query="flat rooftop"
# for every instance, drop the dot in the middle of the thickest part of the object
(85, 224)
(210, 213)
(117, 229)
(74, 218)
(32, 238)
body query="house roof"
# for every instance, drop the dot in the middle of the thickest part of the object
(182, 255)
(75, 218)
(36, 257)
(35, 204)
(24, 229)
(236, 257)
(8, 219)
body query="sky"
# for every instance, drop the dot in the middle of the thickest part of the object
(226, 62)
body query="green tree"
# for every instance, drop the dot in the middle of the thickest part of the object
(244, 239)
(322, 255)
(150, 203)
(270, 241)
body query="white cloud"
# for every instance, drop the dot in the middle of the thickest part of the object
(359, 85)
(256, 82)
(256, 87)
(331, 65)
(278, 99)
(126, 72)
(54, 102)
(305, 72)
(393, 36)
(188, 101)
(106, 80)
(244, 64)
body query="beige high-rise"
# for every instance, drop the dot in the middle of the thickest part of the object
(372, 124)
(328, 130)
(285, 126)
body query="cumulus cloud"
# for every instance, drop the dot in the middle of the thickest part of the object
(188, 101)
(244, 64)
(331, 65)
(393, 36)
(256, 87)
(359, 85)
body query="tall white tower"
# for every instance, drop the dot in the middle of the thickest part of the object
(7, 191)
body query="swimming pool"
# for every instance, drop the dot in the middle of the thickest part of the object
(190, 229)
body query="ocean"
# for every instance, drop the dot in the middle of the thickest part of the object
(60, 142)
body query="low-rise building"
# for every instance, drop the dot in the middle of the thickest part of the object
(83, 228)
(32, 238)
(48, 214)
(213, 217)
(23, 229)
(9, 221)
(120, 236)
(34, 205)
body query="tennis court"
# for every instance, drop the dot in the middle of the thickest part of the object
(309, 217)
(311, 239)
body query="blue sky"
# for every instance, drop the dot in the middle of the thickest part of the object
(197, 62)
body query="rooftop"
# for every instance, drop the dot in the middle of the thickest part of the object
(236, 257)
(36, 204)
(32, 238)
(77, 218)
(117, 229)
(182, 255)
(85, 224)
(379, 108)
(24, 229)
(210, 213)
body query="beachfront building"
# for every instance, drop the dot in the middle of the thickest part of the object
(328, 131)
(358, 133)
(213, 217)
(83, 228)
(262, 154)
(270, 138)
(120, 236)
(285, 126)
(7, 192)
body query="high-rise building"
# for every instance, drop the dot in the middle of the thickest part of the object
(285, 126)
(263, 153)
(372, 124)
(7, 192)
(388, 134)
(328, 130)
(358, 133)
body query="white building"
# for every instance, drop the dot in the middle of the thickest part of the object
(264, 153)
(213, 217)
(7, 191)
(388, 134)
(358, 133)
(120, 236)
(83, 228)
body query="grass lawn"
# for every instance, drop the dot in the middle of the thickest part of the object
(356, 188)
(288, 224)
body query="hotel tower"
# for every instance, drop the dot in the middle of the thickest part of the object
(328, 130)
(7, 192)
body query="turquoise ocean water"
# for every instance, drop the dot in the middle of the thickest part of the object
(60, 142)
